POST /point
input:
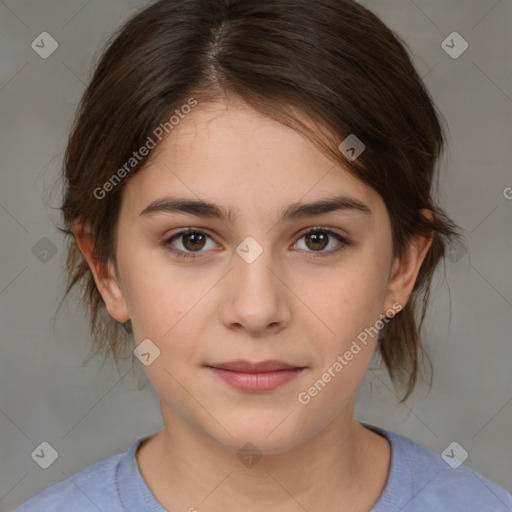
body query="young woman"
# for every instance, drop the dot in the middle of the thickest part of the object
(248, 195)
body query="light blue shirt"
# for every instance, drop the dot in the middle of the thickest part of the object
(419, 480)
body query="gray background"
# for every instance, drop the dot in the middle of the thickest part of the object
(89, 414)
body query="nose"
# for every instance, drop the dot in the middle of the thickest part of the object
(256, 296)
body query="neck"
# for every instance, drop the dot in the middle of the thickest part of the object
(345, 463)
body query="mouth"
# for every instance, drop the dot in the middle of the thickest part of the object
(256, 377)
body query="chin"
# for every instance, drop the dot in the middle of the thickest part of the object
(269, 438)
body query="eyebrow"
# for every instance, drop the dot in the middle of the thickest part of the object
(294, 211)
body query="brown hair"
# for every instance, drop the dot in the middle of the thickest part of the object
(331, 60)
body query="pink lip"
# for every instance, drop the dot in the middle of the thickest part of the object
(241, 365)
(256, 377)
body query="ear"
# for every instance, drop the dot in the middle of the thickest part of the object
(406, 268)
(105, 278)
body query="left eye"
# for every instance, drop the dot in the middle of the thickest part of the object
(318, 239)
(193, 241)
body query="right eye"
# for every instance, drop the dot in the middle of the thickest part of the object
(190, 239)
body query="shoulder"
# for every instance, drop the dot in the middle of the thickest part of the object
(91, 489)
(421, 479)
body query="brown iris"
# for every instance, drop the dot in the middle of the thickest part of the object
(193, 241)
(319, 240)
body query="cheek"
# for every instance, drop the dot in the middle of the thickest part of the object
(164, 304)
(158, 295)
(171, 314)
(349, 303)
(350, 299)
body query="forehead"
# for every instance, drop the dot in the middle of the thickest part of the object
(235, 155)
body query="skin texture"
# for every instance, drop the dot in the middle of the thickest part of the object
(287, 305)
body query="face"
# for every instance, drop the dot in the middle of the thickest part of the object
(254, 285)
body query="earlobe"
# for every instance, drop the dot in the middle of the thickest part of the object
(104, 276)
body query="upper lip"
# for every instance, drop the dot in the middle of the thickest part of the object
(258, 367)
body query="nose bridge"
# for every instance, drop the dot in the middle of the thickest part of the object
(258, 297)
(253, 262)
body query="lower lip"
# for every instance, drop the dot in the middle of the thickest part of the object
(257, 382)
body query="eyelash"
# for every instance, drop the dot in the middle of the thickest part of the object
(315, 254)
